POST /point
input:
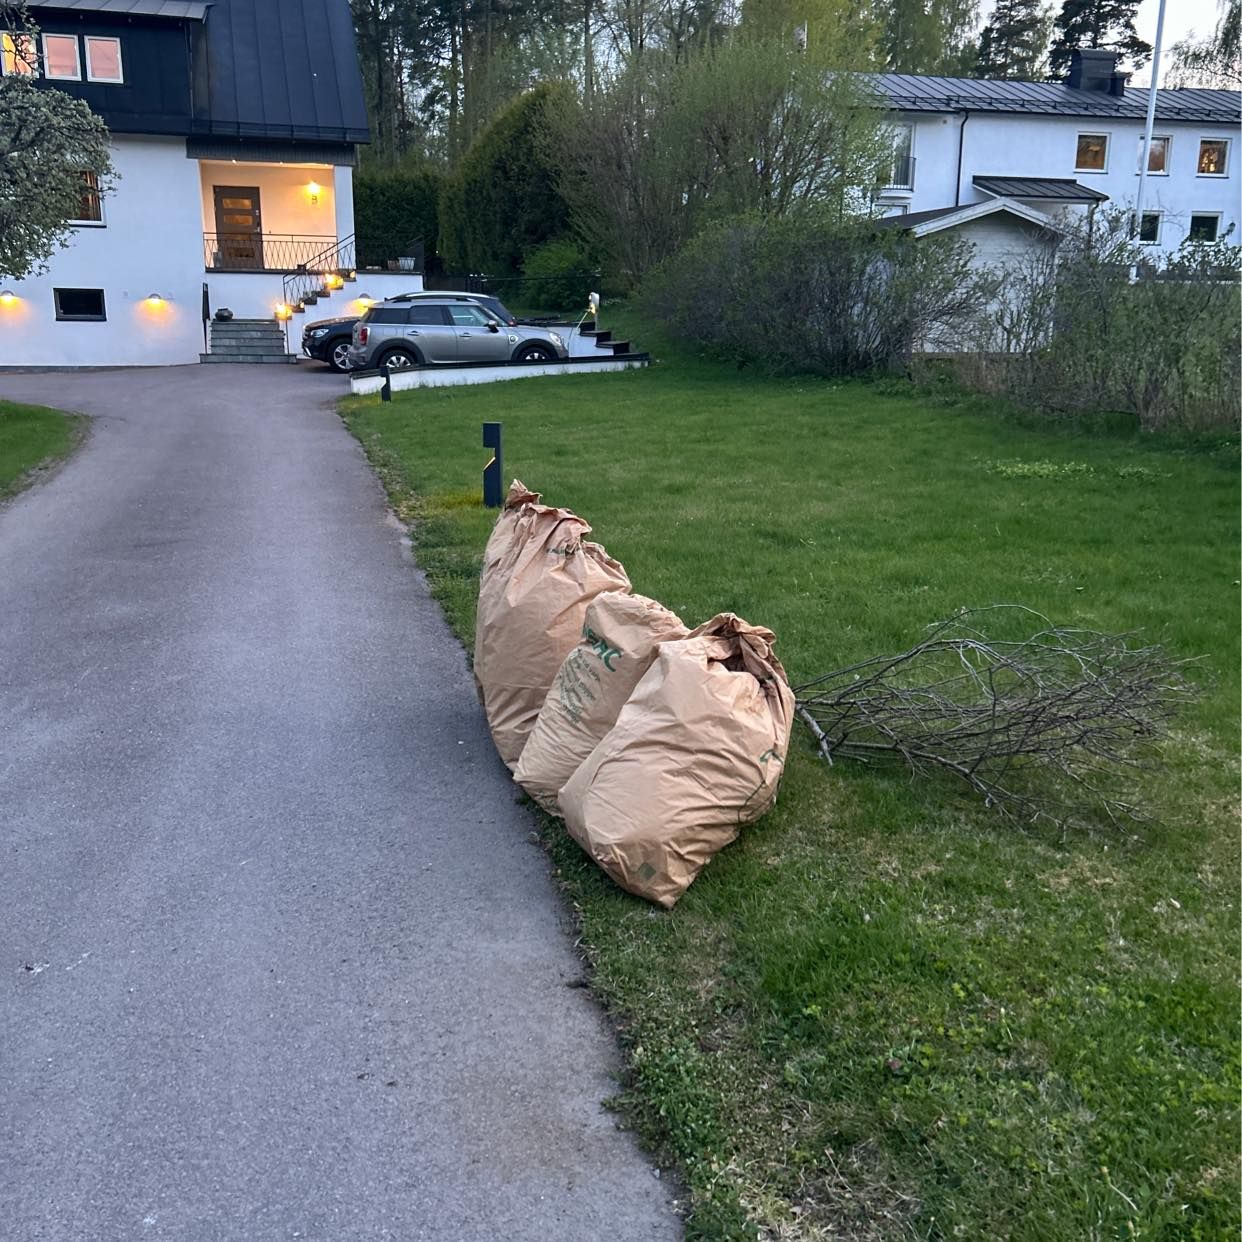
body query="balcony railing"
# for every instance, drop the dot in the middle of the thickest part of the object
(900, 174)
(263, 252)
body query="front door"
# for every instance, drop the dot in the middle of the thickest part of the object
(239, 228)
(475, 341)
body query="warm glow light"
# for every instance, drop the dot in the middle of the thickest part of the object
(283, 310)
(364, 300)
(333, 281)
(8, 297)
(313, 190)
(155, 299)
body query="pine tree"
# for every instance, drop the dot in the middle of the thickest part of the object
(1013, 43)
(1107, 24)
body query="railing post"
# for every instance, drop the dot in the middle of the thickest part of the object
(493, 472)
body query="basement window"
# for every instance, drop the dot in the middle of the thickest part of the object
(1204, 228)
(60, 58)
(85, 305)
(1092, 153)
(17, 55)
(103, 59)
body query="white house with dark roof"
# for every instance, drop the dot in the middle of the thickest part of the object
(1054, 147)
(234, 127)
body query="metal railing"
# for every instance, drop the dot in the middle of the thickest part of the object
(337, 259)
(263, 252)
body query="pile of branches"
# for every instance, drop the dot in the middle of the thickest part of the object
(1043, 727)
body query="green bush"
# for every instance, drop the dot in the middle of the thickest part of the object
(392, 210)
(502, 203)
(558, 277)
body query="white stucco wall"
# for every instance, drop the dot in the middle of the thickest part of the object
(1045, 146)
(151, 242)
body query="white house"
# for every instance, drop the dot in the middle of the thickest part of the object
(234, 124)
(1055, 147)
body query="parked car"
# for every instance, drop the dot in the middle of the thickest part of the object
(426, 330)
(328, 340)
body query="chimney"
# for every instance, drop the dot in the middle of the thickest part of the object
(1095, 69)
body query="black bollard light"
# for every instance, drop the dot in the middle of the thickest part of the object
(386, 390)
(494, 471)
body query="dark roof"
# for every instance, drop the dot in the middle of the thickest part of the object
(1060, 189)
(912, 218)
(178, 10)
(282, 69)
(907, 92)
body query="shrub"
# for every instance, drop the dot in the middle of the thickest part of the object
(391, 211)
(810, 293)
(558, 276)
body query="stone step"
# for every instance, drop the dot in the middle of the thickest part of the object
(262, 351)
(282, 359)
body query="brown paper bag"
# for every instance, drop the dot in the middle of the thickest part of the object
(619, 640)
(696, 753)
(533, 596)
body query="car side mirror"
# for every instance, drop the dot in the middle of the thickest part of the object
(493, 326)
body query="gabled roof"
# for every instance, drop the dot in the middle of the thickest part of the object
(908, 92)
(177, 10)
(1051, 189)
(282, 69)
(921, 223)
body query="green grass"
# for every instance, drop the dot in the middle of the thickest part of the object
(884, 1013)
(32, 438)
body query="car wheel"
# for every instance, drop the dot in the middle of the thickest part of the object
(398, 360)
(534, 353)
(338, 355)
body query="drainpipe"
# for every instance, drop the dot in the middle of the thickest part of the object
(961, 139)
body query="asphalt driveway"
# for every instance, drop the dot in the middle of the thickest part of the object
(278, 957)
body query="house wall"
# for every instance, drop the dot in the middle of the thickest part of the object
(150, 242)
(284, 200)
(1045, 146)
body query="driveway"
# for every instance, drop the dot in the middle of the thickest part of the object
(278, 957)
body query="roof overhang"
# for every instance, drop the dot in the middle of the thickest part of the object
(1041, 189)
(176, 10)
(954, 217)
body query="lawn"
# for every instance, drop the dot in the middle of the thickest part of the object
(884, 1012)
(31, 438)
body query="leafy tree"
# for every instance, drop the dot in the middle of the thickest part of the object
(503, 200)
(928, 36)
(1215, 61)
(47, 141)
(836, 30)
(1013, 43)
(1107, 24)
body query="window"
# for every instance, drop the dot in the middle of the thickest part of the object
(1149, 229)
(81, 304)
(1092, 153)
(385, 314)
(1204, 228)
(91, 211)
(901, 173)
(468, 316)
(17, 55)
(1158, 157)
(1213, 157)
(60, 57)
(103, 59)
(428, 314)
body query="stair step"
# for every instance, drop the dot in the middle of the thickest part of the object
(282, 359)
(619, 347)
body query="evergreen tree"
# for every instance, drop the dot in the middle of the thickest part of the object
(928, 36)
(1107, 24)
(1013, 43)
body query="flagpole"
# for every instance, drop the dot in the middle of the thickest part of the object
(1151, 121)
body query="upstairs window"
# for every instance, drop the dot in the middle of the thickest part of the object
(60, 58)
(1213, 157)
(901, 171)
(1158, 157)
(103, 59)
(17, 55)
(1092, 153)
(91, 210)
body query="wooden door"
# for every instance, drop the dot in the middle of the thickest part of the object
(239, 227)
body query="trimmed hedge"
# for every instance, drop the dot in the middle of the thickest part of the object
(392, 210)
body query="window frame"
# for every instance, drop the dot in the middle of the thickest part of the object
(1158, 216)
(9, 42)
(86, 56)
(61, 317)
(1204, 215)
(1108, 148)
(77, 57)
(84, 222)
(1167, 139)
(1199, 158)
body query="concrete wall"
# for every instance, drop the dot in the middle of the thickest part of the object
(1046, 146)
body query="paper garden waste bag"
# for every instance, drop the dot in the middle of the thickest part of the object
(697, 753)
(620, 637)
(539, 574)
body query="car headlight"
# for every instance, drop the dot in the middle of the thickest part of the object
(556, 339)
(317, 332)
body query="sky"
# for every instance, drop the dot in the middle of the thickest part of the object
(1180, 17)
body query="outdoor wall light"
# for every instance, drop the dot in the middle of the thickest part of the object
(313, 189)
(364, 299)
(333, 281)
(8, 297)
(283, 310)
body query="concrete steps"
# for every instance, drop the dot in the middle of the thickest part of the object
(247, 340)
